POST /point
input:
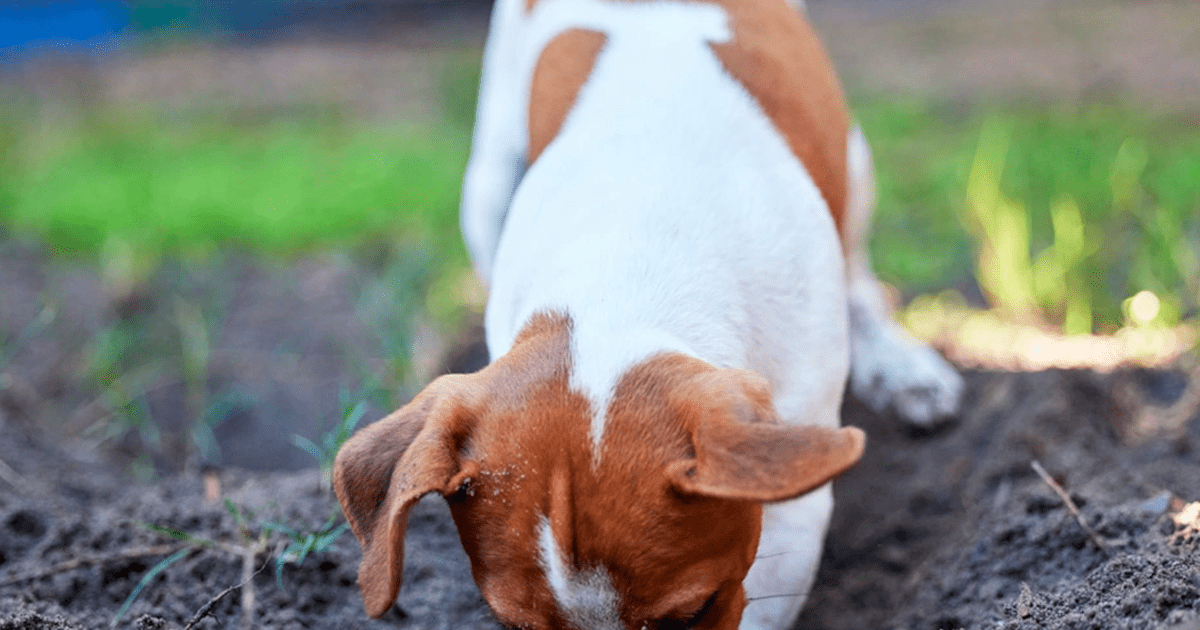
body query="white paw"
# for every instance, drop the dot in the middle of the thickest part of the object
(889, 371)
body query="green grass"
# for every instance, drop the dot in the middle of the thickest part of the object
(923, 153)
(1134, 177)
(277, 187)
(118, 182)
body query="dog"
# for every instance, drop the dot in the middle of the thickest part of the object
(668, 203)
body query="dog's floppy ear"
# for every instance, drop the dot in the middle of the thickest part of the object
(744, 452)
(382, 471)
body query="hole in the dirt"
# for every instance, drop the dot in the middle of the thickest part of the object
(3, 558)
(26, 524)
(1174, 596)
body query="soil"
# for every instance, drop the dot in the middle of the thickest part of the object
(954, 529)
(934, 530)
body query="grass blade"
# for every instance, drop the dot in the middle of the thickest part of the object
(145, 581)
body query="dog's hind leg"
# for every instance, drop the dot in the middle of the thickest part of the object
(498, 146)
(889, 369)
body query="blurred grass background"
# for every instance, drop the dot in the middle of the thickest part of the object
(99, 183)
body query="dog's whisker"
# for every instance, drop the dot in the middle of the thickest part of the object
(776, 555)
(754, 599)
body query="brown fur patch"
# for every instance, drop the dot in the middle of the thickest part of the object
(775, 55)
(563, 67)
(697, 545)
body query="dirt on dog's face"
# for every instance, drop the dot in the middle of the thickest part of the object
(654, 526)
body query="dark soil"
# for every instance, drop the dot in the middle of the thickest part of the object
(954, 529)
(933, 530)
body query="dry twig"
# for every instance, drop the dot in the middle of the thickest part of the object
(75, 563)
(1066, 498)
(206, 609)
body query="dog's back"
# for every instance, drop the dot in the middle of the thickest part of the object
(768, 48)
(690, 175)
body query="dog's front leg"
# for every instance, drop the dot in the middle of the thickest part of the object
(889, 369)
(498, 147)
(789, 552)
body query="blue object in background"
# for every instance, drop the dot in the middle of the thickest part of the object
(33, 26)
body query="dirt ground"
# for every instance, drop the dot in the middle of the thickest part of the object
(933, 530)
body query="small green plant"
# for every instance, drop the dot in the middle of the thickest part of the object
(331, 441)
(248, 547)
(156, 345)
(290, 544)
(303, 542)
(123, 395)
(192, 544)
(204, 408)
(393, 305)
(195, 351)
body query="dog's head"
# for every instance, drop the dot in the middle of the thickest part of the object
(654, 527)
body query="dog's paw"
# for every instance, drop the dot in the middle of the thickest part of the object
(891, 373)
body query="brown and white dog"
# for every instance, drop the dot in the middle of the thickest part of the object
(669, 204)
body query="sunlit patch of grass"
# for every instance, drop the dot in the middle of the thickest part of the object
(1060, 214)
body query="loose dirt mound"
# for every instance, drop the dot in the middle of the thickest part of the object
(955, 529)
(932, 531)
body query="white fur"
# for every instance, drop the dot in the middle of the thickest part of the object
(667, 215)
(586, 597)
(789, 552)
